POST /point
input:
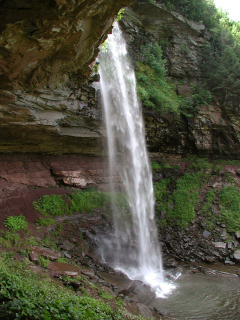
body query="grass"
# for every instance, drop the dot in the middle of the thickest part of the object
(27, 295)
(44, 222)
(179, 204)
(157, 165)
(192, 181)
(88, 200)
(10, 239)
(229, 198)
(179, 198)
(52, 205)
(82, 201)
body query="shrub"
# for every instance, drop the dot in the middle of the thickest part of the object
(16, 223)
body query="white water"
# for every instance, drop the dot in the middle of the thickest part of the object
(134, 246)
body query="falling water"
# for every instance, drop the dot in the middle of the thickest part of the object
(134, 246)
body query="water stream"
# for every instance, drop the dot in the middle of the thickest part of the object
(134, 247)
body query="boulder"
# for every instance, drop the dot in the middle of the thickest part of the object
(220, 245)
(60, 268)
(237, 255)
(144, 311)
(33, 256)
(209, 259)
(230, 245)
(47, 253)
(206, 234)
(237, 235)
(66, 245)
(88, 273)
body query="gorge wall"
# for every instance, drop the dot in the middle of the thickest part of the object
(47, 64)
(213, 130)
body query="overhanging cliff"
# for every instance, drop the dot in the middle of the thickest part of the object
(46, 53)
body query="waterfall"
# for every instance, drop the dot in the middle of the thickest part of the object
(134, 247)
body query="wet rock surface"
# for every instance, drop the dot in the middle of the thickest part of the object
(47, 53)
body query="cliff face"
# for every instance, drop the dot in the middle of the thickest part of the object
(47, 49)
(48, 103)
(213, 130)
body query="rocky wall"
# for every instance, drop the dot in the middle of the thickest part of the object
(212, 130)
(47, 54)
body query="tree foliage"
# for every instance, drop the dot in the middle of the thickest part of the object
(221, 55)
(154, 90)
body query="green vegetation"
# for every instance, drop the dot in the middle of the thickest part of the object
(198, 10)
(179, 204)
(157, 165)
(82, 201)
(44, 222)
(206, 209)
(27, 295)
(15, 223)
(10, 239)
(220, 64)
(120, 14)
(104, 46)
(177, 200)
(88, 200)
(52, 205)
(229, 198)
(192, 181)
(222, 61)
(154, 90)
(43, 262)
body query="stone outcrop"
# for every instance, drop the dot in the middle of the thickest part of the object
(20, 172)
(212, 130)
(181, 39)
(47, 54)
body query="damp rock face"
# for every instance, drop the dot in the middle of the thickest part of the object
(47, 50)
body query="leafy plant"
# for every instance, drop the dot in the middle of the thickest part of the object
(16, 223)
(26, 295)
(120, 14)
(104, 46)
(58, 230)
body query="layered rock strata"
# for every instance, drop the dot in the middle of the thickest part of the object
(47, 52)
